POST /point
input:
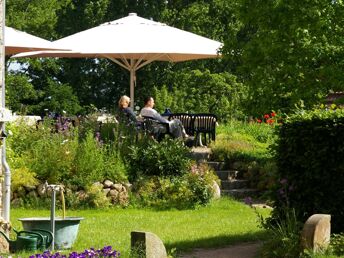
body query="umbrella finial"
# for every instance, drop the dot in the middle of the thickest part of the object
(132, 14)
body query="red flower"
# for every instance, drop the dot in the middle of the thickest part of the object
(273, 114)
(259, 121)
(270, 121)
(266, 116)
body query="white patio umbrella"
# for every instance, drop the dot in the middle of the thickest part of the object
(133, 42)
(17, 41)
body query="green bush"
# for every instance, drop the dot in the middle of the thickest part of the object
(180, 192)
(311, 166)
(67, 157)
(150, 158)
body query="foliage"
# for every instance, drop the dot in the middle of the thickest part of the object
(193, 91)
(337, 244)
(242, 141)
(310, 165)
(96, 197)
(63, 156)
(284, 237)
(89, 161)
(150, 158)
(22, 177)
(285, 53)
(246, 147)
(180, 192)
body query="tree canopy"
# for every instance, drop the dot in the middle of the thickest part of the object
(277, 55)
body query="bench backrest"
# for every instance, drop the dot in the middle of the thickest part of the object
(187, 121)
(205, 123)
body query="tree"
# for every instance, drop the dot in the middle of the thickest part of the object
(288, 52)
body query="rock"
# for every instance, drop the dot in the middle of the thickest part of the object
(4, 246)
(21, 192)
(106, 191)
(81, 195)
(113, 193)
(147, 245)
(123, 189)
(107, 183)
(316, 232)
(18, 202)
(97, 184)
(41, 190)
(128, 186)
(123, 198)
(216, 190)
(30, 187)
(118, 187)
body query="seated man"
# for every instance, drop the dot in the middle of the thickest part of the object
(175, 126)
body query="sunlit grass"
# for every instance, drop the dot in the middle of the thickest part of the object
(224, 222)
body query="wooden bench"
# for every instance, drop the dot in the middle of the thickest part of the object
(200, 126)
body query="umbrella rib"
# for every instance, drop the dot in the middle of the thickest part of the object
(119, 63)
(125, 61)
(149, 61)
(138, 62)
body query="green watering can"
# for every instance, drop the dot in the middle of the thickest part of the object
(29, 240)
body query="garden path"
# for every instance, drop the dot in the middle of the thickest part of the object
(243, 250)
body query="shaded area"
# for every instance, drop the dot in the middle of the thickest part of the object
(216, 242)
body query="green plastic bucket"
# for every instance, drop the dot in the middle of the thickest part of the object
(66, 230)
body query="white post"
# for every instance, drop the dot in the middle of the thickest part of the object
(5, 170)
(2, 92)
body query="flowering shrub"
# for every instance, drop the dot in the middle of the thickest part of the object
(181, 192)
(271, 119)
(104, 252)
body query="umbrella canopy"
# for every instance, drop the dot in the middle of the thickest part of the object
(18, 41)
(133, 42)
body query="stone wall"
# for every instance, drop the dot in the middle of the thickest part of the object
(117, 193)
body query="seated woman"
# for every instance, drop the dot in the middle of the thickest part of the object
(176, 127)
(125, 110)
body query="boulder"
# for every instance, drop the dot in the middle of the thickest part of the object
(147, 244)
(316, 232)
(216, 190)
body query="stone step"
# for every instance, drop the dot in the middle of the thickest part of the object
(228, 174)
(234, 184)
(216, 165)
(200, 154)
(240, 193)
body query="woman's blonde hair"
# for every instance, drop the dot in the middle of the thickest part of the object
(122, 100)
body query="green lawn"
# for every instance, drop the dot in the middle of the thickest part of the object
(222, 223)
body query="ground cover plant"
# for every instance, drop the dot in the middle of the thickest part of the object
(221, 223)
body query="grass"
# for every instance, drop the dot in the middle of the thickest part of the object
(221, 223)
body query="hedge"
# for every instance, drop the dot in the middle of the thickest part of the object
(310, 161)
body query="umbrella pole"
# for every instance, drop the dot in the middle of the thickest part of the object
(132, 78)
